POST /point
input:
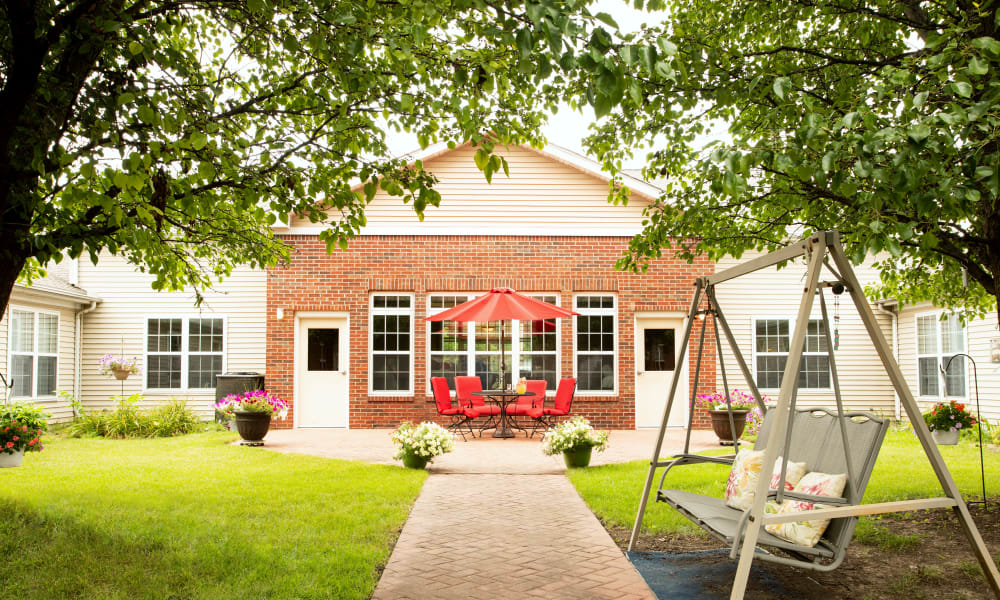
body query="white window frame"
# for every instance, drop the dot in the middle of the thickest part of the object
(470, 331)
(411, 312)
(34, 354)
(791, 333)
(613, 312)
(939, 355)
(185, 352)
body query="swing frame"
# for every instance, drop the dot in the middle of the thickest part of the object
(817, 249)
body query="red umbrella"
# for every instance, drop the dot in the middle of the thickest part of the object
(501, 304)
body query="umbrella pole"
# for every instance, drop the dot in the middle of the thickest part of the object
(503, 365)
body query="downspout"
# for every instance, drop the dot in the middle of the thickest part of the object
(880, 306)
(78, 350)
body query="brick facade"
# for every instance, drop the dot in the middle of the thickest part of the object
(422, 265)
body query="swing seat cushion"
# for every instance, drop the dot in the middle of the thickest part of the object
(743, 477)
(714, 516)
(806, 533)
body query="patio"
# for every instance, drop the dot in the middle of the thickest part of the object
(497, 519)
(514, 456)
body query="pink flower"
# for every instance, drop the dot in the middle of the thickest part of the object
(16, 438)
(10, 444)
(25, 428)
(33, 442)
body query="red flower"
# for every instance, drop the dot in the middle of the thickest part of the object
(25, 428)
(16, 438)
(33, 442)
(960, 406)
(39, 432)
(6, 429)
(10, 444)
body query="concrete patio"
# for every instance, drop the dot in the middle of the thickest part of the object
(513, 456)
(496, 518)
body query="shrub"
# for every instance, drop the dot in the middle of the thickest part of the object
(127, 421)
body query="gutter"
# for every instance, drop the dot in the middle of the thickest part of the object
(880, 307)
(78, 350)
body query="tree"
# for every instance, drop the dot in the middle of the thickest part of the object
(176, 133)
(880, 119)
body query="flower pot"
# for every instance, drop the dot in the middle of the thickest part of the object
(577, 458)
(252, 426)
(945, 438)
(121, 374)
(720, 424)
(412, 461)
(11, 460)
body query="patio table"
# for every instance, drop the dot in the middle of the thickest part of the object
(503, 398)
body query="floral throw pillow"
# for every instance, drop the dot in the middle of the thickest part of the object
(742, 482)
(807, 533)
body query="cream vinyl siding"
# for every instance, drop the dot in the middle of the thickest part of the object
(979, 332)
(128, 300)
(776, 294)
(542, 196)
(50, 303)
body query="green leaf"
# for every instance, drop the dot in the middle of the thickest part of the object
(919, 99)
(828, 161)
(146, 115)
(919, 132)
(198, 140)
(524, 42)
(606, 19)
(962, 88)
(602, 105)
(482, 159)
(135, 48)
(988, 44)
(781, 87)
(978, 66)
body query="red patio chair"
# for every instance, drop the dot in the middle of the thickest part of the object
(524, 404)
(442, 400)
(464, 386)
(544, 416)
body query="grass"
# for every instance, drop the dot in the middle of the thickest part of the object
(196, 517)
(901, 472)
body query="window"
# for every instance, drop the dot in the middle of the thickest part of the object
(473, 349)
(34, 349)
(937, 341)
(538, 358)
(176, 346)
(449, 342)
(392, 332)
(771, 344)
(595, 343)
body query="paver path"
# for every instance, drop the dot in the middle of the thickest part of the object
(506, 536)
(498, 519)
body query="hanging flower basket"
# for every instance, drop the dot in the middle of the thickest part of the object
(119, 366)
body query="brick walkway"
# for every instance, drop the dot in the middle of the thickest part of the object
(498, 519)
(506, 536)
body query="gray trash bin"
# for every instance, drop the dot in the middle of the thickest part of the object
(236, 383)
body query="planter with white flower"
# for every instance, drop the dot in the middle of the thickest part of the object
(576, 440)
(417, 445)
(119, 366)
(946, 421)
(21, 428)
(253, 412)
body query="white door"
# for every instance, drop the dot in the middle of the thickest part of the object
(322, 358)
(657, 341)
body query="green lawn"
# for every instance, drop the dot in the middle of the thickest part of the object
(902, 471)
(195, 517)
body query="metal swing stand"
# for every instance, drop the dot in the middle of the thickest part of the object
(816, 248)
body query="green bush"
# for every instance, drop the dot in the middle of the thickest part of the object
(128, 421)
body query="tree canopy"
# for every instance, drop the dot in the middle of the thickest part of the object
(175, 133)
(880, 119)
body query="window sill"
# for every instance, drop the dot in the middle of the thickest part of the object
(376, 398)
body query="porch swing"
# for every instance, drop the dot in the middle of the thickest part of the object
(827, 441)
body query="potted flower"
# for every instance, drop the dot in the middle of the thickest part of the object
(576, 439)
(416, 445)
(120, 367)
(253, 412)
(743, 404)
(946, 420)
(21, 426)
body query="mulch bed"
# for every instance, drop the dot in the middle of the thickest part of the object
(922, 554)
